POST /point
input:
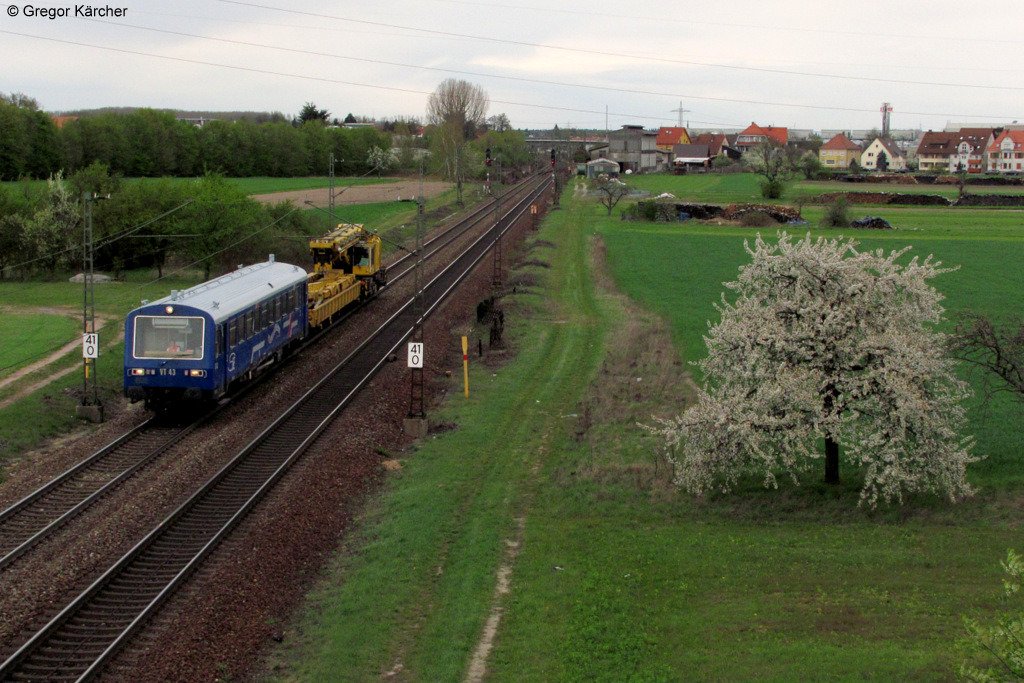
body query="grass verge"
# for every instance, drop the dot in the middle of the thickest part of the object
(618, 576)
(415, 595)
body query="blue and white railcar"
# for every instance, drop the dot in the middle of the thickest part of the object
(194, 344)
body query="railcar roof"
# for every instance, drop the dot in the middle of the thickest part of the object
(228, 294)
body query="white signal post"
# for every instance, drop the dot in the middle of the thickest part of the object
(416, 355)
(90, 345)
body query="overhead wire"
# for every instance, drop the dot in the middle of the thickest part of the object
(521, 79)
(495, 101)
(819, 62)
(621, 55)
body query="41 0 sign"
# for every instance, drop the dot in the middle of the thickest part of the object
(91, 345)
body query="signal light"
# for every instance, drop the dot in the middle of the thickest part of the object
(552, 156)
(487, 158)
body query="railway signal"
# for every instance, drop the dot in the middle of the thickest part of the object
(552, 156)
(487, 157)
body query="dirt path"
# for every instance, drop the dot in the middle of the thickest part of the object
(361, 194)
(101, 321)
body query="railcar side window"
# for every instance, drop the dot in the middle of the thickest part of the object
(233, 334)
(168, 337)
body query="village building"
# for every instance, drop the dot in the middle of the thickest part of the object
(687, 158)
(633, 149)
(753, 135)
(883, 155)
(669, 136)
(1006, 153)
(839, 152)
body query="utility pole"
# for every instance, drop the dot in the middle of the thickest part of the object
(330, 190)
(416, 422)
(90, 408)
(496, 280)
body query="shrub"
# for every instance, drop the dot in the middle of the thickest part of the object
(772, 189)
(757, 219)
(835, 213)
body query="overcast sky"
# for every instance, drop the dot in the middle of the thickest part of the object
(803, 64)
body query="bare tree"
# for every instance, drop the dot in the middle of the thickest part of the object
(770, 160)
(825, 343)
(457, 109)
(610, 191)
(997, 349)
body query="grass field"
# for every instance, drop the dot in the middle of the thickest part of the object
(618, 577)
(735, 188)
(25, 337)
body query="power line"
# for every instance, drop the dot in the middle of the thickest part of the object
(819, 62)
(604, 53)
(648, 20)
(504, 102)
(561, 84)
(322, 79)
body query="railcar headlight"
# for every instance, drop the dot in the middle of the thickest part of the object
(197, 373)
(136, 372)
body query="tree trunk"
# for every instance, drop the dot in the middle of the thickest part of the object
(831, 461)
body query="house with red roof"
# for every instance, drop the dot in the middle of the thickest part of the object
(754, 135)
(669, 136)
(966, 149)
(1006, 153)
(718, 144)
(839, 152)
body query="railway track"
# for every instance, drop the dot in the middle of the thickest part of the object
(53, 505)
(34, 518)
(85, 635)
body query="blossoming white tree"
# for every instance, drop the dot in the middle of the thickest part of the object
(827, 344)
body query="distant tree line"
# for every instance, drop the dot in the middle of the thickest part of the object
(150, 143)
(203, 223)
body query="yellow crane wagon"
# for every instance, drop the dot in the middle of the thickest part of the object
(346, 268)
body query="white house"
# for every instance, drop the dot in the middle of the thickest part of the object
(883, 155)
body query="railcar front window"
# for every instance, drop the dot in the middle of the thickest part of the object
(168, 337)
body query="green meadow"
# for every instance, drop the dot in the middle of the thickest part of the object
(615, 575)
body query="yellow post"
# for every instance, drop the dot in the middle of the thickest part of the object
(465, 363)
